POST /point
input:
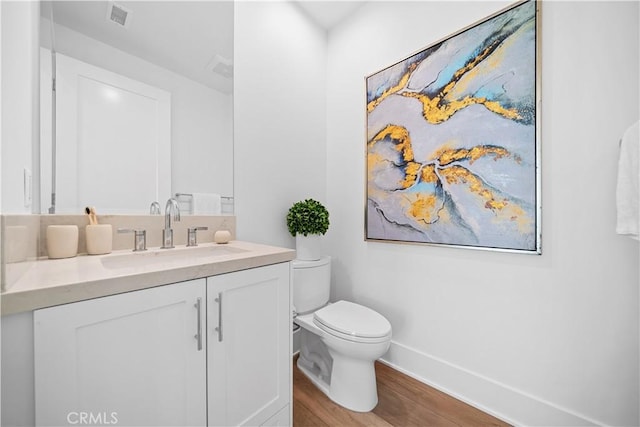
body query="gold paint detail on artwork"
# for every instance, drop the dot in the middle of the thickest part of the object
(442, 167)
(423, 208)
(429, 175)
(439, 108)
(400, 136)
(411, 174)
(404, 80)
(447, 156)
(435, 111)
(503, 209)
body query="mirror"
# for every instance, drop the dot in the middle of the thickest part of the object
(143, 104)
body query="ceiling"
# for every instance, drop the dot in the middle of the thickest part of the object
(328, 14)
(156, 31)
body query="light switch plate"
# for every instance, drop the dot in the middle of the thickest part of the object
(28, 186)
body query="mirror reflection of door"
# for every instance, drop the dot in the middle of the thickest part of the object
(113, 140)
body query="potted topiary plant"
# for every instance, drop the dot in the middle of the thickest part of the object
(308, 220)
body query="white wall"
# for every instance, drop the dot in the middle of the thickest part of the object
(279, 117)
(538, 340)
(201, 117)
(20, 113)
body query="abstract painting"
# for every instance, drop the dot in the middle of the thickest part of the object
(452, 139)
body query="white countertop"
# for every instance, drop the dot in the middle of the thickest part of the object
(50, 282)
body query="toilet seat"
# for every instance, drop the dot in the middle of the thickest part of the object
(353, 322)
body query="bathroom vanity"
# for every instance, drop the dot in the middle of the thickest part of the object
(187, 336)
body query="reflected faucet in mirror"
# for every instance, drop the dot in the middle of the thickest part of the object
(171, 210)
(154, 209)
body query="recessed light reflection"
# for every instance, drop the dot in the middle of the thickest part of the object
(110, 94)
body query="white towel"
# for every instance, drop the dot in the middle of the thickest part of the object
(628, 183)
(206, 204)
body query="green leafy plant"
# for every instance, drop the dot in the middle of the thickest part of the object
(307, 217)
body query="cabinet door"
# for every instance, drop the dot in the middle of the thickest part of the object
(249, 354)
(131, 359)
(281, 419)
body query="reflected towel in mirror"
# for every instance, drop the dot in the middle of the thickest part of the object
(206, 204)
(627, 186)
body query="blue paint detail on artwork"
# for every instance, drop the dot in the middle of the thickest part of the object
(422, 187)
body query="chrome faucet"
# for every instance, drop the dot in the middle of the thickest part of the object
(171, 209)
(154, 209)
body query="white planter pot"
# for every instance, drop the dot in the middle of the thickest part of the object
(309, 247)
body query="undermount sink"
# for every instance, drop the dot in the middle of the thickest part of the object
(159, 256)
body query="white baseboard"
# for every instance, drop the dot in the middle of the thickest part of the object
(500, 400)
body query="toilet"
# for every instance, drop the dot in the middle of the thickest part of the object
(340, 341)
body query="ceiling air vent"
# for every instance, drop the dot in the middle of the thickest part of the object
(118, 14)
(221, 65)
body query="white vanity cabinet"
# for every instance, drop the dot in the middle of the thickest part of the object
(249, 353)
(134, 359)
(213, 351)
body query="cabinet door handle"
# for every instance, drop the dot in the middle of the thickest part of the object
(219, 327)
(198, 335)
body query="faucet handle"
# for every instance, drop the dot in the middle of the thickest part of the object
(192, 240)
(139, 238)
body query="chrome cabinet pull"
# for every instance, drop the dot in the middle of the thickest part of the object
(198, 335)
(219, 327)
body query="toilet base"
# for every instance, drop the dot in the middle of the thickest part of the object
(313, 376)
(350, 382)
(356, 396)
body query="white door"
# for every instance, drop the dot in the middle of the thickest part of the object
(113, 138)
(249, 334)
(131, 359)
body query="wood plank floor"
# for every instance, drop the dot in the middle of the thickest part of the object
(402, 401)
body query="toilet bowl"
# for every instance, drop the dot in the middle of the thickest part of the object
(339, 341)
(345, 370)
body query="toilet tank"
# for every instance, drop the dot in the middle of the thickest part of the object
(311, 284)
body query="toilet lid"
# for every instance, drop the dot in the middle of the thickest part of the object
(299, 263)
(353, 319)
